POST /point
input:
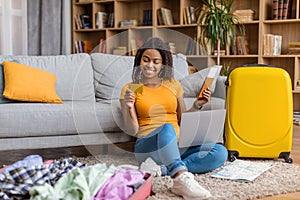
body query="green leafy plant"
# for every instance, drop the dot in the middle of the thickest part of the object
(218, 24)
(226, 69)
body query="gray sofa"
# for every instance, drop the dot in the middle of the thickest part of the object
(89, 86)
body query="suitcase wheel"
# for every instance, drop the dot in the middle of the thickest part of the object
(232, 155)
(285, 156)
(288, 159)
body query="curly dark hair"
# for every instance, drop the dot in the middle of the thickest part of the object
(167, 72)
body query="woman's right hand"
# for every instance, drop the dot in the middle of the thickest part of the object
(129, 98)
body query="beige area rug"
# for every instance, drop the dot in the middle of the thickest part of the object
(281, 178)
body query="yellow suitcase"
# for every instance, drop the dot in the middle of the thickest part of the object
(259, 117)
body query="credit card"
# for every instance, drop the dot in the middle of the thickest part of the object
(136, 88)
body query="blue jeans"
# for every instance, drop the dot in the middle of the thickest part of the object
(161, 145)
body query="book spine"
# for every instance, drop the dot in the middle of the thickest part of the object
(184, 16)
(275, 9)
(277, 45)
(280, 9)
(285, 9)
(290, 7)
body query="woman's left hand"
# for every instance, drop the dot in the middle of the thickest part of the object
(206, 98)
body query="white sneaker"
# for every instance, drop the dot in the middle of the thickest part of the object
(151, 167)
(186, 186)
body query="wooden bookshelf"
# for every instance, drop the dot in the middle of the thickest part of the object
(182, 35)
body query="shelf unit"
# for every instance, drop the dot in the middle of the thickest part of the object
(182, 34)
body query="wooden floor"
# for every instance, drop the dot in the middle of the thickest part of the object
(295, 155)
(12, 156)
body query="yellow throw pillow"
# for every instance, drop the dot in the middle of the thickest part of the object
(25, 83)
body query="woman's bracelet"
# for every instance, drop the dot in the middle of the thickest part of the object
(196, 107)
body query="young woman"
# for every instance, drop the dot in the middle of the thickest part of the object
(153, 116)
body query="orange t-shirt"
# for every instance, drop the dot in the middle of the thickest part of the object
(157, 106)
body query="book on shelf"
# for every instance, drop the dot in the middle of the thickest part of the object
(204, 49)
(139, 43)
(275, 9)
(110, 20)
(169, 16)
(134, 45)
(272, 44)
(102, 46)
(189, 15)
(294, 48)
(172, 46)
(128, 23)
(120, 50)
(191, 47)
(296, 118)
(87, 46)
(84, 1)
(164, 16)
(78, 23)
(83, 46)
(282, 9)
(285, 9)
(242, 46)
(244, 15)
(85, 21)
(101, 19)
(147, 17)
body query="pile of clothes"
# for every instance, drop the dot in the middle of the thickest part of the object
(33, 179)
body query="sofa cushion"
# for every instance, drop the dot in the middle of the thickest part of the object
(25, 83)
(74, 73)
(112, 72)
(70, 118)
(191, 84)
(38, 119)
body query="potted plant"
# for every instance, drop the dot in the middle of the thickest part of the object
(218, 24)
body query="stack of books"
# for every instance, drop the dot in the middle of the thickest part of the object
(294, 48)
(296, 119)
(244, 15)
(128, 23)
(120, 50)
